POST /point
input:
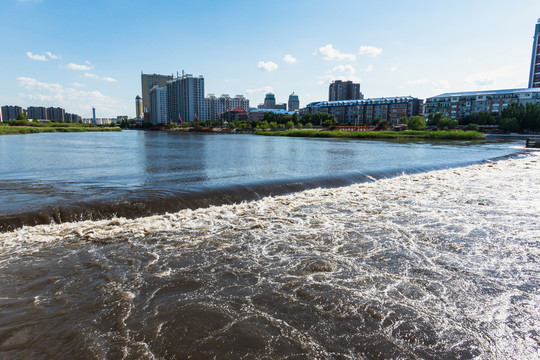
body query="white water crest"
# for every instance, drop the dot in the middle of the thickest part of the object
(442, 264)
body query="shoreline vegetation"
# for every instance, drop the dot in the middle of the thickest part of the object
(408, 134)
(30, 127)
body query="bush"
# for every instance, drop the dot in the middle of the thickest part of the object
(416, 123)
(289, 125)
(471, 127)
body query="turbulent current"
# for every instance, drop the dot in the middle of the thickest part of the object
(438, 265)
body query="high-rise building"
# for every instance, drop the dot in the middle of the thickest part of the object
(269, 101)
(534, 75)
(10, 112)
(294, 103)
(344, 90)
(94, 116)
(55, 114)
(138, 107)
(148, 81)
(37, 112)
(185, 98)
(158, 104)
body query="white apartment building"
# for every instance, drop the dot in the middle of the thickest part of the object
(158, 105)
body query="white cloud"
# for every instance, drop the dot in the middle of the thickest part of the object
(289, 59)
(440, 86)
(369, 50)
(265, 89)
(36, 57)
(267, 66)
(369, 68)
(73, 100)
(52, 56)
(329, 53)
(393, 68)
(97, 77)
(76, 84)
(349, 69)
(498, 78)
(74, 66)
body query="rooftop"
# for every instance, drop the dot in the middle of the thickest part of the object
(488, 92)
(395, 99)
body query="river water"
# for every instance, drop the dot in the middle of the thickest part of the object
(424, 265)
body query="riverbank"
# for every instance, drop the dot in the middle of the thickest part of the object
(29, 128)
(409, 134)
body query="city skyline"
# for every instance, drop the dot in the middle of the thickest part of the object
(418, 49)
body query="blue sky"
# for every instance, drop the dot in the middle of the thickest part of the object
(78, 54)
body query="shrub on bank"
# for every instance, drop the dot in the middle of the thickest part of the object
(448, 135)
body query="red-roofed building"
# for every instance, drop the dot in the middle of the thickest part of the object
(236, 114)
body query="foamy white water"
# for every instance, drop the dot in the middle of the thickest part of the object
(436, 265)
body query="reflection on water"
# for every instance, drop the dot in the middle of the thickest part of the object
(43, 170)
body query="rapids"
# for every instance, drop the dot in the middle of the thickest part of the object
(438, 265)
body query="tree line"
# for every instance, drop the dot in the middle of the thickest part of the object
(514, 118)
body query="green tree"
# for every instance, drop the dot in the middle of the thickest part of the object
(433, 119)
(509, 124)
(416, 123)
(328, 123)
(309, 125)
(480, 118)
(447, 124)
(289, 125)
(299, 126)
(21, 116)
(273, 126)
(263, 125)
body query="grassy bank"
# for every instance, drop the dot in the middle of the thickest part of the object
(443, 135)
(26, 127)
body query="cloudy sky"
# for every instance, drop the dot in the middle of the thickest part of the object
(78, 54)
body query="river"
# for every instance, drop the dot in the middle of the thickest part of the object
(373, 250)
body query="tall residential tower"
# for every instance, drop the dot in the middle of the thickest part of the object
(534, 75)
(344, 90)
(148, 81)
(185, 98)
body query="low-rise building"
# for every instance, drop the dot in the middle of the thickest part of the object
(258, 113)
(215, 106)
(367, 110)
(236, 114)
(459, 105)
